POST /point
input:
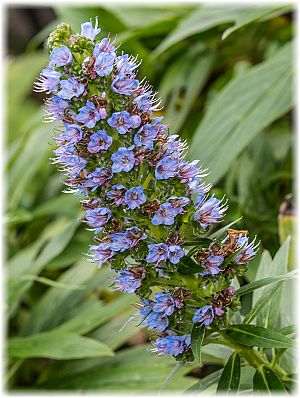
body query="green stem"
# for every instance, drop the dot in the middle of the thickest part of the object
(147, 181)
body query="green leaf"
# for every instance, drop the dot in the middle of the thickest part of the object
(206, 382)
(218, 234)
(197, 341)
(250, 287)
(200, 242)
(188, 266)
(230, 377)
(261, 303)
(56, 345)
(258, 336)
(254, 14)
(265, 380)
(247, 105)
(269, 317)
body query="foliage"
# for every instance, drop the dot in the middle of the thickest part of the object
(231, 99)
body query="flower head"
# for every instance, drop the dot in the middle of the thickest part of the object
(157, 252)
(99, 141)
(134, 197)
(165, 215)
(88, 31)
(123, 160)
(166, 168)
(89, 115)
(121, 121)
(61, 56)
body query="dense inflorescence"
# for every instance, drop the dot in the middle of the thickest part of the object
(149, 208)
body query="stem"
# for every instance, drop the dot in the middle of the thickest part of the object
(147, 181)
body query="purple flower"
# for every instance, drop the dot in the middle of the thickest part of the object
(70, 88)
(98, 177)
(98, 217)
(119, 242)
(156, 320)
(128, 280)
(101, 253)
(211, 265)
(104, 64)
(89, 115)
(175, 253)
(126, 65)
(145, 136)
(187, 170)
(248, 251)
(134, 234)
(136, 120)
(143, 102)
(209, 211)
(88, 31)
(134, 197)
(173, 345)
(157, 252)
(61, 56)
(117, 194)
(48, 81)
(104, 47)
(72, 134)
(124, 85)
(121, 121)
(99, 141)
(56, 107)
(205, 315)
(178, 203)
(165, 215)
(123, 160)
(166, 168)
(164, 303)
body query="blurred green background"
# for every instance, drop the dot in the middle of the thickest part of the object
(225, 76)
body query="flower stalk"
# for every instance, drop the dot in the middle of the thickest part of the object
(141, 197)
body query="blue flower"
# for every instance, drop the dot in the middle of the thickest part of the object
(143, 103)
(104, 64)
(164, 303)
(173, 345)
(134, 234)
(98, 177)
(119, 242)
(124, 85)
(156, 320)
(72, 134)
(117, 194)
(121, 121)
(165, 215)
(88, 115)
(123, 160)
(56, 107)
(145, 136)
(157, 252)
(48, 81)
(104, 47)
(175, 253)
(187, 170)
(128, 280)
(101, 253)
(99, 141)
(88, 31)
(70, 88)
(61, 56)
(98, 217)
(248, 251)
(134, 197)
(126, 65)
(205, 315)
(178, 203)
(209, 211)
(166, 168)
(211, 265)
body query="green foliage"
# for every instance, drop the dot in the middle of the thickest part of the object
(225, 77)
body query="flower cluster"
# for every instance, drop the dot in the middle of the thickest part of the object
(142, 199)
